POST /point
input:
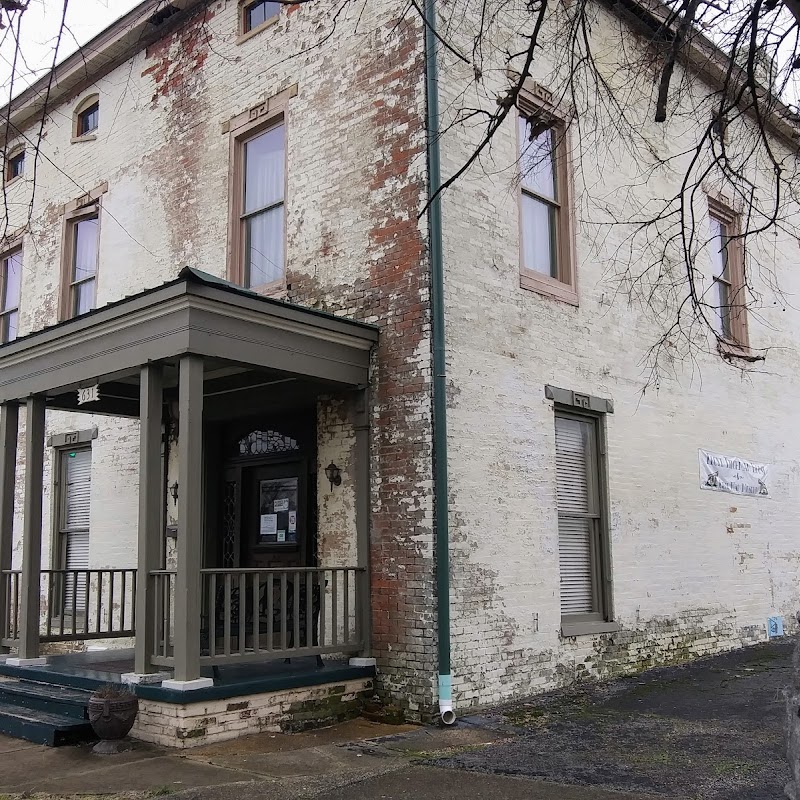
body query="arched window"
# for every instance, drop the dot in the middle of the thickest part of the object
(86, 118)
(15, 163)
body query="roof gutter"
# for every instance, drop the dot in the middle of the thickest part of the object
(440, 492)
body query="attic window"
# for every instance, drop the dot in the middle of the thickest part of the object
(86, 118)
(258, 14)
(15, 165)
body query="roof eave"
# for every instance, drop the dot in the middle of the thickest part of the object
(106, 51)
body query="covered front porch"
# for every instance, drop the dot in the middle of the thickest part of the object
(233, 566)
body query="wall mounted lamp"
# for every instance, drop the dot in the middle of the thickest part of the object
(333, 474)
(173, 490)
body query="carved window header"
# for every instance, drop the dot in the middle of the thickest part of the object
(586, 402)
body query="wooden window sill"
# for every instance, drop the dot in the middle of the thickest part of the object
(550, 287)
(730, 349)
(243, 37)
(588, 628)
(11, 182)
(89, 137)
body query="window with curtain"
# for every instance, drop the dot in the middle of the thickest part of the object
(85, 234)
(545, 226)
(11, 282)
(540, 200)
(581, 526)
(727, 297)
(262, 217)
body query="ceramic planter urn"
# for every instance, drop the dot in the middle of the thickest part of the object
(112, 717)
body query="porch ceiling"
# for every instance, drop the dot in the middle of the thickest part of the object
(242, 336)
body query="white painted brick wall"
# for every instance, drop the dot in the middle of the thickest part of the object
(693, 571)
(161, 148)
(193, 724)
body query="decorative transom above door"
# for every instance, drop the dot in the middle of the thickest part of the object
(258, 443)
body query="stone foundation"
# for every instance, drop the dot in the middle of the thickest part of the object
(290, 710)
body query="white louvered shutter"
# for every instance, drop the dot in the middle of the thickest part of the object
(576, 509)
(77, 478)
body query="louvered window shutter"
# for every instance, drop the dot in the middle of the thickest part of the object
(578, 514)
(77, 477)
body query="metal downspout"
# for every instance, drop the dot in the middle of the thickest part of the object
(446, 712)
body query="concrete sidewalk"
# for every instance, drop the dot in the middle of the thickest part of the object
(359, 756)
(712, 730)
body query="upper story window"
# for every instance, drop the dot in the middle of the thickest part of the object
(10, 283)
(727, 300)
(257, 209)
(15, 165)
(80, 253)
(86, 118)
(546, 263)
(85, 238)
(255, 14)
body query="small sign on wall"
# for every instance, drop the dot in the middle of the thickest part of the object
(734, 475)
(89, 394)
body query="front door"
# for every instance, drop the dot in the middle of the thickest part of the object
(274, 526)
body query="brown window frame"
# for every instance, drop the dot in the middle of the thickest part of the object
(736, 339)
(86, 207)
(536, 103)
(601, 619)
(14, 249)
(78, 115)
(260, 119)
(14, 156)
(245, 32)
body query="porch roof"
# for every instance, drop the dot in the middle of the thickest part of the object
(196, 313)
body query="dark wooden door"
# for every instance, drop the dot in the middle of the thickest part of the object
(274, 515)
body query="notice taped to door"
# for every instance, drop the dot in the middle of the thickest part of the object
(269, 525)
(734, 475)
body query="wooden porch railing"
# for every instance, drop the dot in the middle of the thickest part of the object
(89, 604)
(10, 586)
(261, 614)
(79, 604)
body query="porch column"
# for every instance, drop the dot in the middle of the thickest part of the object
(150, 488)
(32, 534)
(190, 535)
(364, 608)
(9, 430)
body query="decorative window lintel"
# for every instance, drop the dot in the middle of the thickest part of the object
(587, 402)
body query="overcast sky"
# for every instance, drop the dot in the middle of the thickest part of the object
(39, 30)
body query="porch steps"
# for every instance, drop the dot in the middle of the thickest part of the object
(44, 713)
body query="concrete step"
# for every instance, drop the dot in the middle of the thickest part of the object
(46, 697)
(41, 727)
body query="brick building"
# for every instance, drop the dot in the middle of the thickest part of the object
(219, 326)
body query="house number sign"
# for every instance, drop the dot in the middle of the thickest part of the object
(89, 394)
